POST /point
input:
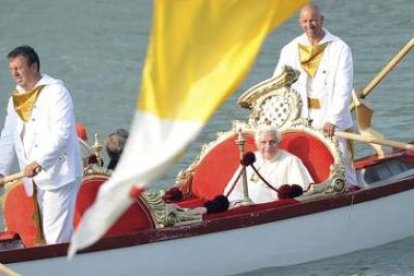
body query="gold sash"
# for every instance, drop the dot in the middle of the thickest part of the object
(310, 57)
(314, 103)
(24, 103)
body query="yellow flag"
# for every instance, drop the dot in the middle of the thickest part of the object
(199, 52)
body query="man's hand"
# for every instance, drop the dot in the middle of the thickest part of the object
(32, 169)
(329, 129)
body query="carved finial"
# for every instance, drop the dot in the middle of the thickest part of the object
(241, 142)
(98, 147)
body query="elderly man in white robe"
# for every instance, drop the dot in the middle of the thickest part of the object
(276, 166)
(326, 78)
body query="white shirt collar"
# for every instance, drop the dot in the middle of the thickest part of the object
(44, 80)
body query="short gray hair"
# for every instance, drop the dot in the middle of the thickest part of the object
(115, 143)
(267, 129)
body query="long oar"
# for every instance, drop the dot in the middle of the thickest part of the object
(371, 140)
(10, 178)
(13, 177)
(384, 72)
(7, 271)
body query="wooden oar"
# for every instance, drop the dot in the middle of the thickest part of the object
(13, 177)
(7, 271)
(372, 140)
(384, 72)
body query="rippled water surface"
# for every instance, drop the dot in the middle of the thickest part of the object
(98, 48)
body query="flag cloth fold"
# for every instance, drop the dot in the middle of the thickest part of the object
(199, 52)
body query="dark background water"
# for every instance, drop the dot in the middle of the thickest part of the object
(98, 48)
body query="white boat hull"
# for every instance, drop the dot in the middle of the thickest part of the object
(280, 243)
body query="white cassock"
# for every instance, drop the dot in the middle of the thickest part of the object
(332, 85)
(284, 168)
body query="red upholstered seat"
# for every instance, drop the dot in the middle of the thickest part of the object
(137, 217)
(19, 214)
(216, 168)
(314, 154)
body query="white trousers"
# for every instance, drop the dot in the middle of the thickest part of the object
(57, 210)
(350, 173)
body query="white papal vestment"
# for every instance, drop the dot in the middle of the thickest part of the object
(284, 168)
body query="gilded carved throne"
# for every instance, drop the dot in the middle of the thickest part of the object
(271, 102)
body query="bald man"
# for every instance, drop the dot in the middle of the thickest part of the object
(326, 78)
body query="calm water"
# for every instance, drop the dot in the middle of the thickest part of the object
(98, 47)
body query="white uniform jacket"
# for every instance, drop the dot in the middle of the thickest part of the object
(334, 79)
(49, 138)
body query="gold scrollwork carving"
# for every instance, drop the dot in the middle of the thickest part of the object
(95, 169)
(167, 215)
(275, 102)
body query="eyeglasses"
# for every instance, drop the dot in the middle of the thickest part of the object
(271, 142)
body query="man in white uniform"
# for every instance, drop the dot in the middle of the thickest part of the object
(276, 166)
(40, 130)
(326, 78)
